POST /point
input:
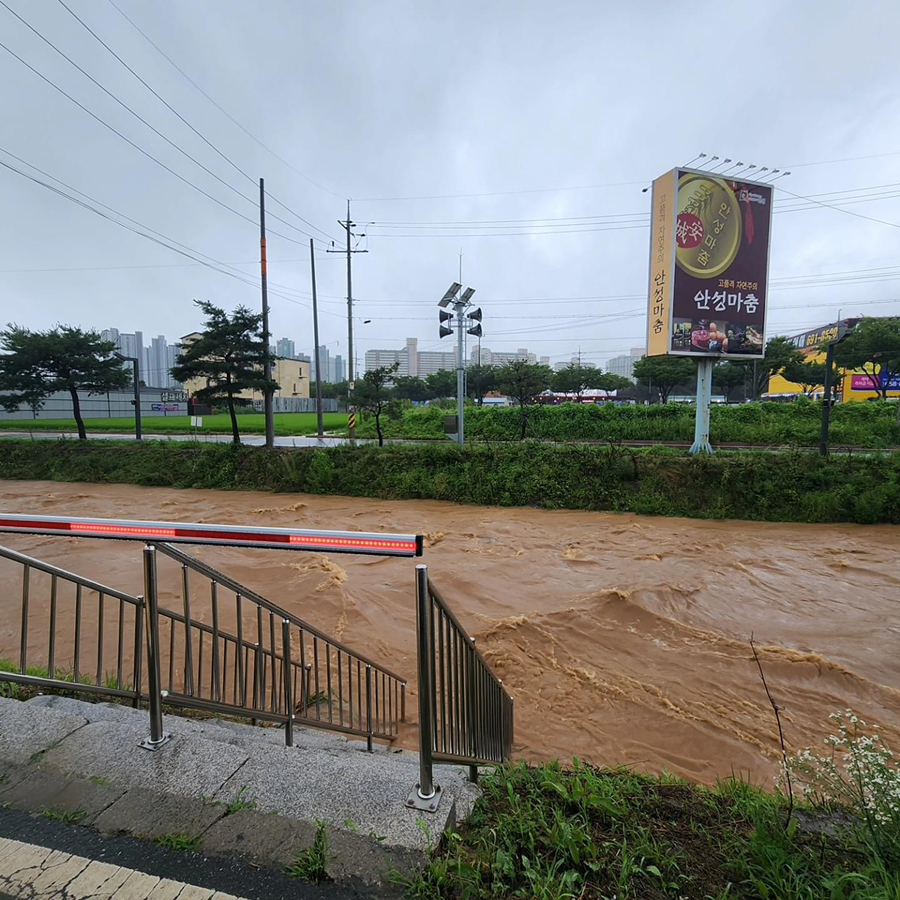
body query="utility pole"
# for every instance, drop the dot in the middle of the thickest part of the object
(267, 356)
(350, 373)
(312, 265)
(350, 361)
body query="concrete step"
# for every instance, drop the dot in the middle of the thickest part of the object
(216, 729)
(238, 788)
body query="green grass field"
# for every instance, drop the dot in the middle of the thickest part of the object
(249, 423)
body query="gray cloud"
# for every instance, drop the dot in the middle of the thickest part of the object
(399, 99)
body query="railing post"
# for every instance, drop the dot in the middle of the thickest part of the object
(369, 708)
(288, 685)
(426, 794)
(471, 698)
(157, 737)
(403, 702)
(138, 652)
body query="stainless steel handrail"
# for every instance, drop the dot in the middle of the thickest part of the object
(232, 585)
(270, 665)
(466, 716)
(67, 665)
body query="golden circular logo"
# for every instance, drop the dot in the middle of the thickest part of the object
(708, 229)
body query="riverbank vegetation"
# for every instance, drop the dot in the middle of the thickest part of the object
(764, 424)
(786, 486)
(581, 832)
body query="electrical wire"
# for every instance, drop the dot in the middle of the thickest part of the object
(172, 109)
(151, 127)
(217, 106)
(135, 228)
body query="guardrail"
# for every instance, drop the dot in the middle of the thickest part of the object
(465, 713)
(69, 659)
(252, 658)
(257, 660)
(273, 667)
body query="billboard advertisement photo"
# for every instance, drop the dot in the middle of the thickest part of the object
(709, 266)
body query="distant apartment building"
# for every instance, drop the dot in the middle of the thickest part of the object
(155, 361)
(573, 361)
(411, 360)
(624, 365)
(501, 358)
(285, 348)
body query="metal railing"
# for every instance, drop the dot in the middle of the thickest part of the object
(465, 713)
(66, 654)
(241, 655)
(256, 660)
(244, 656)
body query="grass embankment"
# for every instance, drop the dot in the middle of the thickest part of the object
(789, 486)
(767, 424)
(554, 834)
(249, 423)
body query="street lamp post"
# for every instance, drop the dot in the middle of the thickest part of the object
(137, 391)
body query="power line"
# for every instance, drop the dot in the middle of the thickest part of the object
(217, 106)
(161, 239)
(172, 109)
(145, 122)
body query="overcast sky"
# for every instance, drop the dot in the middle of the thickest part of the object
(526, 110)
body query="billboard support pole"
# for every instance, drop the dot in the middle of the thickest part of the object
(704, 397)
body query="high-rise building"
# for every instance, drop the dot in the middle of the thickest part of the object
(285, 349)
(545, 360)
(624, 364)
(411, 360)
(340, 373)
(494, 358)
(574, 361)
(325, 363)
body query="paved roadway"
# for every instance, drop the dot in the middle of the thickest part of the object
(43, 859)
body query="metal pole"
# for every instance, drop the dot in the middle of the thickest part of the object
(157, 737)
(137, 398)
(350, 361)
(704, 396)
(312, 265)
(369, 708)
(286, 683)
(460, 374)
(826, 400)
(426, 794)
(267, 355)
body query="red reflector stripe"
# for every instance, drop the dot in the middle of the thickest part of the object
(22, 523)
(123, 529)
(226, 536)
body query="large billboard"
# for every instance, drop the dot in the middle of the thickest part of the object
(709, 266)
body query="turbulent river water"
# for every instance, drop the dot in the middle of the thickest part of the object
(624, 639)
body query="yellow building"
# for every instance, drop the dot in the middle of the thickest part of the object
(853, 385)
(292, 376)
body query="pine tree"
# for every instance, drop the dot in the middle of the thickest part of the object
(229, 355)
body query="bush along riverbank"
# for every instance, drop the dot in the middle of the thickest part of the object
(787, 486)
(766, 424)
(581, 832)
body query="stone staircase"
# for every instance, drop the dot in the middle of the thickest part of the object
(234, 787)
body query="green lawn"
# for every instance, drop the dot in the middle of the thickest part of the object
(249, 423)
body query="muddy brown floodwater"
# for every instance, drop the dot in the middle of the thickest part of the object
(624, 639)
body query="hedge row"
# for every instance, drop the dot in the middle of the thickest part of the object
(789, 486)
(767, 424)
